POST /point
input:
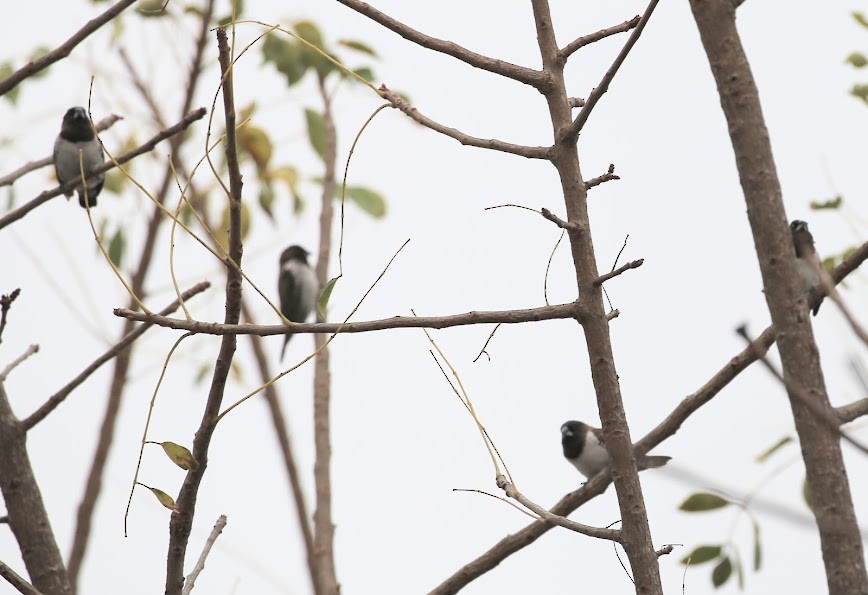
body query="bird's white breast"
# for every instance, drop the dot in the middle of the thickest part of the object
(593, 457)
(308, 285)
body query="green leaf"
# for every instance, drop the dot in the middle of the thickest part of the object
(832, 203)
(703, 501)
(324, 297)
(164, 498)
(36, 54)
(857, 59)
(860, 91)
(256, 143)
(116, 247)
(358, 46)
(152, 8)
(721, 572)
(313, 57)
(266, 200)
(239, 10)
(364, 72)
(286, 56)
(368, 200)
(701, 554)
(6, 69)
(806, 494)
(222, 233)
(179, 455)
(860, 18)
(316, 131)
(757, 547)
(764, 455)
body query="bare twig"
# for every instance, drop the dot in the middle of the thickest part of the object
(566, 225)
(27, 353)
(44, 197)
(606, 177)
(34, 165)
(626, 267)
(465, 139)
(579, 43)
(21, 585)
(577, 125)
(200, 564)
(181, 522)
(481, 317)
(487, 341)
(852, 411)
(5, 303)
(522, 74)
(511, 491)
(63, 50)
(825, 414)
(58, 397)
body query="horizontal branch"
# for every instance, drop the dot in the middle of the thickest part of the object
(8, 179)
(411, 112)
(58, 397)
(216, 328)
(21, 211)
(852, 411)
(567, 225)
(63, 50)
(528, 76)
(594, 37)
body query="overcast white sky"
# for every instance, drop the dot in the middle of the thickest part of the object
(401, 440)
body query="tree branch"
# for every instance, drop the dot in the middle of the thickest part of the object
(512, 492)
(200, 564)
(573, 131)
(581, 42)
(58, 397)
(63, 50)
(28, 518)
(606, 177)
(522, 74)
(16, 581)
(465, 139)
(481, 317)
(21, 211)
(630, 265)
(181, 522)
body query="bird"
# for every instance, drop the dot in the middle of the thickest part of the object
(297, 287)
(77, 138)
(585, 450)
(807, 261)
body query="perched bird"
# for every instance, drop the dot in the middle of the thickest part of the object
(77, 137)
(807, 261)
(585, 449)
(297, 287)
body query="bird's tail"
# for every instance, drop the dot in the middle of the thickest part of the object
(91, 198)
(286, 339)
(646, 462)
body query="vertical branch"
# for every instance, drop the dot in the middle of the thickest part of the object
(840, 538)
(285, 443)
(636, 532)
(26, 512)
(181, 522)
(93, 485)
(323, 528)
